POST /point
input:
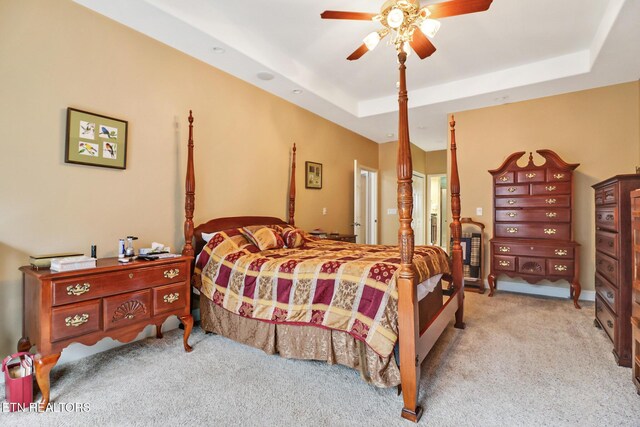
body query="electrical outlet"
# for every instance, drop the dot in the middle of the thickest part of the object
(479, 211)
(392, 211)
(324, 211)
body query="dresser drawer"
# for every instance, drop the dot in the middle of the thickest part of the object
(515, 190)
(606, 291)
(606, 318)
(125, 309)
(562, 201)
(67, 291)
(607, 267)
(535, 215)
(557, 231)
(75, 319)
(607, 242)
(610, 194)
(555, 175)
(551, 188)
(169, 298)
(504, 263)
(535, 250)
(560, 267)
(505, 178)
(607, 218)
(529, 265)
(531, 176)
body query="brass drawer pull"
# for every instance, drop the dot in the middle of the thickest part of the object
(610, 268)
(550, 187)
(530, 175)
(551, 214)
(512, 230)
(76, 320)
(504, 263)
(511, 189)
(171, 298)
(78, 289)
(610, 324)
(511, 202)
(550, 231)
(512, 214)
(551, 201)
(560, 267)
(609, 217)
(558, 175)
(609, 294)
(504, 249)
(130, 275)
(503, 179)
(170, 274)
(561, 252)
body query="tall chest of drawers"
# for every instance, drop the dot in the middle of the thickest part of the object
(635, 297)
(614, 261)
(533, 222)
(111, 300)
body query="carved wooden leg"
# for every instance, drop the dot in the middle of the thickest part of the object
(577, 289)
(460, 312)
(159, 331)
(43, 368)
(492, 283)
(24, 345)
(187, 321)
(408, 324)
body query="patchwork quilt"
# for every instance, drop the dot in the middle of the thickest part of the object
(336, 285)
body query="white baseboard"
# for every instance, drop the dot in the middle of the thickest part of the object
(79, 351)
(543, 290)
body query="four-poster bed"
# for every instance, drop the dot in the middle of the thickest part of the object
(418, 320)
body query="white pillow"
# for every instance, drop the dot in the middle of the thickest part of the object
(207, 236)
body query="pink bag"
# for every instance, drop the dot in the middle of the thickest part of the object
(18, 380)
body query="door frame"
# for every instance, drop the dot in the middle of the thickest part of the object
(424, 205)
(372, 227)
(428, 213)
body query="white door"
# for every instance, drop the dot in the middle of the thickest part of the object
(418, 208)
(436, 206)
(365, 204)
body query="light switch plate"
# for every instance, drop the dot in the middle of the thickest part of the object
(479, 211)
(392, 211)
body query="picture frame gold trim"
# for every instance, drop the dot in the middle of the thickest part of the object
(313, 175)
(95, 140)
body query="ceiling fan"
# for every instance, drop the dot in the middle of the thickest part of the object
(408, 23)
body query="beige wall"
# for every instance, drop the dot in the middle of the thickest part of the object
(387, 154)
(436, 162)
(57, 54)
(597, 128)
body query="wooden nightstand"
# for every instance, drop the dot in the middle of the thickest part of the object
(111, 300)
(350, 238)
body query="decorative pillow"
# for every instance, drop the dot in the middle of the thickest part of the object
(293, 238)
(263, 237)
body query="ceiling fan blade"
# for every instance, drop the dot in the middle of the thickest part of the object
(458, 7)
(421, 44)
(358, 52)
(359, 16)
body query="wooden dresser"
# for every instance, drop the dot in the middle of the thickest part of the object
(112, 300)
(614, 263)
(533, 222)
(635, 300)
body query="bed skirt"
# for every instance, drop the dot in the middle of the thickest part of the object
(301, 342)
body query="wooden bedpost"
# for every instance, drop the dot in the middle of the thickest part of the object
(456, 228)
(408, 318)
(189, 200)
(292, 187)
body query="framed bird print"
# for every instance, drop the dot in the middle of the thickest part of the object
(95, 140)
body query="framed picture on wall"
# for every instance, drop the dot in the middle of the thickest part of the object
(313, 175)
(95, 140)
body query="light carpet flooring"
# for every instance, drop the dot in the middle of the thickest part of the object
(522, 361)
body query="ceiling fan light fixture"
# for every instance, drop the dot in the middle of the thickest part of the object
(430, 27)
(424, 13)
(395, 18)
(372, 40)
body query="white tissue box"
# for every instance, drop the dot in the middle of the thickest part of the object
(72, 263)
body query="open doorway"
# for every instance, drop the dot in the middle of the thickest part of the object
(437, 209)
(418, 223)
(365, 204)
